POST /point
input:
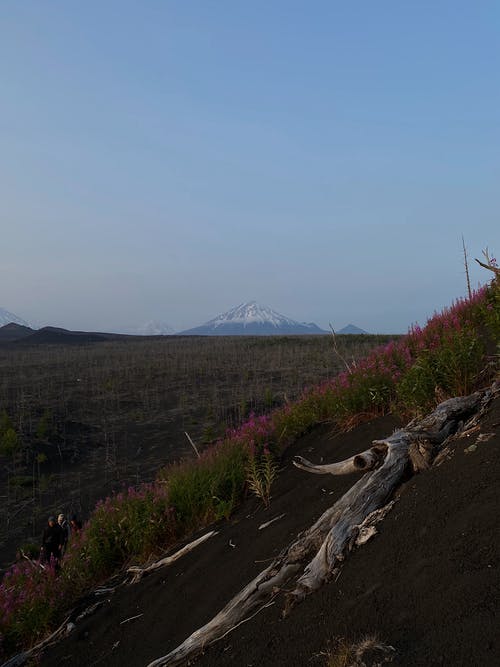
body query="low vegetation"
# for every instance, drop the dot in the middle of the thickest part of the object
(261, 472)
(367, 651)
(456, 352)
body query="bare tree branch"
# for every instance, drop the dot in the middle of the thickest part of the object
(466, 264)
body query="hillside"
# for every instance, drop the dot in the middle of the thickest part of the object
(427, 585)
(438, 382)
(12, 332)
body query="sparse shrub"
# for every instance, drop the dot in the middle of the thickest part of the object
(208, 488)
(268, 398)
(261, 472)
(209, 434)
(128, 524)
(30, 600)
(490, 310)
(45, 482)
(5, 422)
(368, 652)
(9, 442)
(445, 369)
(21, 480)
(44, 428)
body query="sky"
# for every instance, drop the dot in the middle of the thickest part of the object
(171, 159)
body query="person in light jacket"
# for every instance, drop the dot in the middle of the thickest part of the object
(63, 522)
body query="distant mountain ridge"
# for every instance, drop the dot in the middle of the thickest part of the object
(6, 317)
(12, 331)
(153, 328)
(352, 329)
(18, 334)
(246, 319)
(22, 335)
(252, 319)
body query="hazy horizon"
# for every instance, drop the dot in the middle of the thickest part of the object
(169, 160)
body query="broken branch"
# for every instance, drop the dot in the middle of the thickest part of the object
(139, 572)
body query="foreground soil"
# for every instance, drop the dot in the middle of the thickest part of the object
(428, 584)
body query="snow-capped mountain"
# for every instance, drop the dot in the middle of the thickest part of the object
(155, 328)
(6, 317)
(252, 319)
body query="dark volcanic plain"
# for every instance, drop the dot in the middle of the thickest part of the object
(94, 414)
(428, 584)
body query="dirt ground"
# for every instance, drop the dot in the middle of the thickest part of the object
(428, 584)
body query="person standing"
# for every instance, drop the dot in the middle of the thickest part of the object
(75, 524)
(66, 530)
(52, 541)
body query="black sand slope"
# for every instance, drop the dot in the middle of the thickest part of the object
(428, 584)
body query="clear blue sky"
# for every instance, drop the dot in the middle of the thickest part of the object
(170, 160)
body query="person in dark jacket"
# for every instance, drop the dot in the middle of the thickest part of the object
(75, 524)
(52, 541)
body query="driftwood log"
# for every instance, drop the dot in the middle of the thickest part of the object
(359, 463)
(22, 658)
(139, 572)
(318, 552)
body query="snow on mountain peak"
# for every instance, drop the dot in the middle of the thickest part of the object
(6, 317)
(251, 313)
(252, 319)
(155, 328)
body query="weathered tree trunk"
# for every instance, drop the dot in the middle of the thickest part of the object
(323, 547)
